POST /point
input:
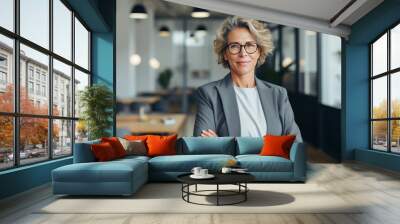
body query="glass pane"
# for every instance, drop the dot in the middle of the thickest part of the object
(379, 135)
(7, 14)
(288, 63)
(379, 55)
(81, 45)
(62, 89)
(62, 138)
(34, 92)
(62, 29)
(331, 70)
(308, 62)
(395, 47)
(6, 142)
(395, 136)
(33, 139)
(81, 131)
(35, 21)
(395, 95)
(6, 74)
(379, 98)
(81, 81)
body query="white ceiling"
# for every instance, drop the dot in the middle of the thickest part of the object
(316, 15)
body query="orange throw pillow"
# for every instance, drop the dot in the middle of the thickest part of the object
(116, 145)
(103, 152)
(161, 145)
(277, 145)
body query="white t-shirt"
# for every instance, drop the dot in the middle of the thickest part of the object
(251, 114)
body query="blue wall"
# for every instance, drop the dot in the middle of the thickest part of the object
(99, 15)
(355, 111)
(24, 178)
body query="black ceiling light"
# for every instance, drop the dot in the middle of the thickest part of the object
(138, 12)
(201, 30)
(164, 31)
(200, 13)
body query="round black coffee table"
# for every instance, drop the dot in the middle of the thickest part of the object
(238, 179)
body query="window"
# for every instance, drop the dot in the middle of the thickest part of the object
(7, 14)
(62, 29)
(385, 94)
(288, 62)
(308, 62)
(37, 89)
(81, 45)
(3, 78)
(3, 60)
(7, 73)
(331, 70)
(37, 75)
(30, 72)
(62, 74)
(44, 91)
(34, 21)
(30, 87)
(45, 131)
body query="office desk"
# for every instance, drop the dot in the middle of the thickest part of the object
(153, 124)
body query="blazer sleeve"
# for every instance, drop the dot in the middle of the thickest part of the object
(287, 117)
(205, 115)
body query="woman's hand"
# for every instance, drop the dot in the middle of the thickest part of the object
(208, 133)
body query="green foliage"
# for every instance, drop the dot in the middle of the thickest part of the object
(96, 102)
(164, 78)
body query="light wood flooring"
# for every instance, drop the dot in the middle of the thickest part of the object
(378, 189)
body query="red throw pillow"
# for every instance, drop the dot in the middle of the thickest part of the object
(277, 145)
(116, 145)
(103, 151)
(161, 145)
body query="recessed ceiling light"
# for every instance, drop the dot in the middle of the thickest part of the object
(200, 13)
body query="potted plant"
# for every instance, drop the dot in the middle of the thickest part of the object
(96, 102)
(164, 78)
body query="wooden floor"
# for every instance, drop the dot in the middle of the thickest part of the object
(377, 188)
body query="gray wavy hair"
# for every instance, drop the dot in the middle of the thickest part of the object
(258, 29)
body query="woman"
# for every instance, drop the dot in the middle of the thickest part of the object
(241, 104)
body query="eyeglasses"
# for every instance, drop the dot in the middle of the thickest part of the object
(249, 47)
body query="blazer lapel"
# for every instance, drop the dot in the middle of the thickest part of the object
(229, 105)
(267, 102)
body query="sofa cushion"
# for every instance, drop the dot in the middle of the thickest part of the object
(161, 145)
(116, 145)
(209, 145)
(134, 147)
(112, 171)
(277, 145)
(83, 152)
(103, 151)
(257, 163)
(249, 145)
(185, 163)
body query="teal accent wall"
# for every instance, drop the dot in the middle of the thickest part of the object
(99, 16)
(24, 178)
(355, 111)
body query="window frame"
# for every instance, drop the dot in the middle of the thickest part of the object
(16, 115)
(388, 74)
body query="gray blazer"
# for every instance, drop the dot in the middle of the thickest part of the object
(217, 109)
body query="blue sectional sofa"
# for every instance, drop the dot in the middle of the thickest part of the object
(125, 176)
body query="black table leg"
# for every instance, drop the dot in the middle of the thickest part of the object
(217, 194)
(245, 193)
